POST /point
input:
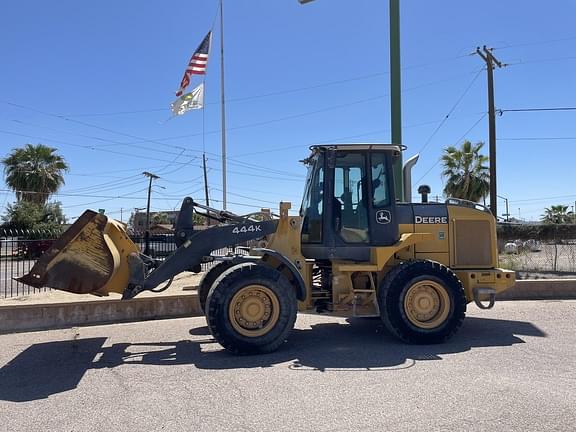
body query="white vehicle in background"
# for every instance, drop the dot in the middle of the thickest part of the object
(532, 245)
(511, 248)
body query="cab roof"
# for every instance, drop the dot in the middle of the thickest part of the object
(359, 146)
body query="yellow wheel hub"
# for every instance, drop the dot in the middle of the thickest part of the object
(427, 304)
(254, 310)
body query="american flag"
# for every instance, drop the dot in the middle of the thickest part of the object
(197, 64)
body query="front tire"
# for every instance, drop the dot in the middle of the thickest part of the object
(208, 279)
(251, 309)
(422, 302)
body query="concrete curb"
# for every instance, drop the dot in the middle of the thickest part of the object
(30, 317)
(20, 318)
(541, 289)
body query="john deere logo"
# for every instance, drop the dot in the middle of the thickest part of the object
(383, 217)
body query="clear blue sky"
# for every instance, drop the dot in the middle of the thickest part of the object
(95, 80)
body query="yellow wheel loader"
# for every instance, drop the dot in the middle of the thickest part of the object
(354, 250)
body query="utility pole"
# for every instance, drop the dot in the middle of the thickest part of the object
(147, 233)
(206, 185)
(223, 105)
(491, 63)
(395, 93)
(121, 215)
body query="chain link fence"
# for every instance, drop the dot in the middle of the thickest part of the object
(538, 248)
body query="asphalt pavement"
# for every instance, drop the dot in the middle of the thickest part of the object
(512, 368)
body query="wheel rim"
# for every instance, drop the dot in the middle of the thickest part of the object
(427, 304)
(254, 310)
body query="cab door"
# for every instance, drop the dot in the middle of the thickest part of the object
(382, 202)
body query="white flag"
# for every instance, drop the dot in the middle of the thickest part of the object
(189, 101)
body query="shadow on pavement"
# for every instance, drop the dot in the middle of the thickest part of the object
(47, 368)
(362, 345)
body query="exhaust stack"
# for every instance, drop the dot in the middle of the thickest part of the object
(407, 175)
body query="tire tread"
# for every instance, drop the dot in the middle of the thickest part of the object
(395, 281)
(223, 290)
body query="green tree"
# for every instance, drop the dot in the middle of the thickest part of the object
(557, 214)
(34, 172)
(159, 218)
(467, 175)
(198, 219)
(30, 215)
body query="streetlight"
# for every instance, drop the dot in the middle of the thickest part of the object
(147, 233)
(395, 90)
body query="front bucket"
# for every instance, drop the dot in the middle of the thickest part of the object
(91, 257)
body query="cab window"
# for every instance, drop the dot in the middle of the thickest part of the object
(350, 214)
(380, 197)
(313, 204)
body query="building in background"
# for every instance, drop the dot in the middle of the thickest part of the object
(165, 219)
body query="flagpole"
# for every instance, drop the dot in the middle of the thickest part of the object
(223, 105)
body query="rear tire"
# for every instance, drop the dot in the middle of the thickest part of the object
(251, 309)
(422, 302)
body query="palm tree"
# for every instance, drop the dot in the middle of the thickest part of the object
(466, 172)
(557, 214)
(34, 172)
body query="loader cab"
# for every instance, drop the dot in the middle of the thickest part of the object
(349, 204)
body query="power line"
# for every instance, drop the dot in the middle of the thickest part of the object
(243, 98)
(183, 182)
(275, 93)
(247, 197)
(289, 117)
(111, 186)
(49, 114)
(115, 171)
(85, 205)
(550, 41)
(77, 195)
(332, 141)
(266, 192)
(111, 143)
(260, 176)
(264, 169)
(501, 111)
(548, 60)
(132, 155)
(538, 139)
(544, 198)
(173, 193)
(451, 111)
(240, 204)
(162, 140)
(460, 139)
